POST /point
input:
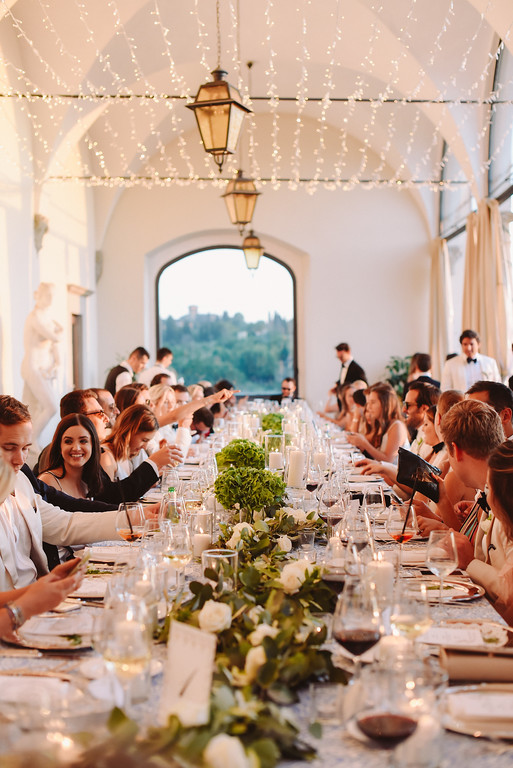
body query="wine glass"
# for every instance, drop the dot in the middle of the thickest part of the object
(124, 640)
(356, 621)
(410, 616)
(178, 550)
(374, 501)
(441, 556)
(385, 710)
(401, 524)
(130, 521)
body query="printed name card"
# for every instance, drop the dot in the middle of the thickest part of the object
(188, 675)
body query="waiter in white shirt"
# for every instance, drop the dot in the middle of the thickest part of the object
(462, 371)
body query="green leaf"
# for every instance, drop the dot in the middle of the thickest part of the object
(316, 730)
(267, 752)
(267, 672)
(281, 694)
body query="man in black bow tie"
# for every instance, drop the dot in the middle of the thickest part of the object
(462, 371)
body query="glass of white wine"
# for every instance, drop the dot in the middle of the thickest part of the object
(178, 550)
(441, 556)
(410, 616)
(124, 640)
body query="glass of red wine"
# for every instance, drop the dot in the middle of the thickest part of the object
(385, 711)
(357, 620)
(401, 524)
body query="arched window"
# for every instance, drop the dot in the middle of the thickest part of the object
(223, 321)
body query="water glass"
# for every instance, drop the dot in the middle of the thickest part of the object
(224, 563)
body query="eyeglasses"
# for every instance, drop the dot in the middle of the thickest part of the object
(286, 389)
(97, 413)
(406, 405)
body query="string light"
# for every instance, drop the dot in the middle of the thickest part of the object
(129, 122)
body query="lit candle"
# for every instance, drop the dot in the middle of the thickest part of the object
(296, 469)
(381, 573)
(200, 542)
(276, 460)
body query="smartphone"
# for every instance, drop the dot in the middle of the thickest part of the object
(80, 565)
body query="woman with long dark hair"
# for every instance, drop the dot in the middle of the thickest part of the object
(74, 458)
(386, 431)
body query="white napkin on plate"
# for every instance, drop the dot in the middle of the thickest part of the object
(481, 705)
(94, 588)
(60, 626)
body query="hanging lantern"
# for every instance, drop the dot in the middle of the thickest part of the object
(253, 250)
(240, 198)
(219, 114)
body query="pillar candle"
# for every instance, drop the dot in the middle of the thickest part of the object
(200, 542)
(276, 460)
(296, 469)
(319, 460)
(381, 573)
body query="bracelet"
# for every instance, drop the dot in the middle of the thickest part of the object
(15, 614)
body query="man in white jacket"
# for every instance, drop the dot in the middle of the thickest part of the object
(462, 371)
(26, 519)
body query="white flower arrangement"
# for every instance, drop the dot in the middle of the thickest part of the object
(294, 574)
(215, 617)
(223, 751)
(236, 534)
(262, 630)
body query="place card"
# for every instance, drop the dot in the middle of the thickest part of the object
(463, 637)
(188, 675)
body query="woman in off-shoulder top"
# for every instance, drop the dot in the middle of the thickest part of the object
(386, 431)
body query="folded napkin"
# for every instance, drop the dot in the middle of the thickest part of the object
(414, 556)
(118, 552)
(33, 691)
(475, 666)
(483, 706)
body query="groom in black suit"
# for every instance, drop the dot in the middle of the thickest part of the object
(350, 370)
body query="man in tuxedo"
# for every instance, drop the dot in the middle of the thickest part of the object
(420, 370)
(462, 371)
(350, 370)
(125, 372)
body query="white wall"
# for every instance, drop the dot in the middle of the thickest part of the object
(361, 259)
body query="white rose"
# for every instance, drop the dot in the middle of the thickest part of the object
(223, 751)
(255, 659)
(236, 534)
(214, 617)
(255, 613)
(299, 515)
(293, 575)
(263, 630)
(284, 543)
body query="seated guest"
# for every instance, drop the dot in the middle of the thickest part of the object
(347, 413)
(500, 397)
(490, 561)
(130, 488)
(420, 370)
(74, 458)
(108, 405)
(288, 389)
(160, 378)
(471, 431)
(130, 395)
(223, 385)
(387, 431)
(26, 518)
(181, 394)
(202, 423)
(162, 403)
(124, 448)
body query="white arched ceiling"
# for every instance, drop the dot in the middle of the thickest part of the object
(407, 49)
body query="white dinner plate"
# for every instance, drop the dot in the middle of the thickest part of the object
(454, 591)
(494, 696)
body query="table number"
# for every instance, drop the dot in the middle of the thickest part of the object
(188, 674)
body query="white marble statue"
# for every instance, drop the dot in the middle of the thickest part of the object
(41, 361)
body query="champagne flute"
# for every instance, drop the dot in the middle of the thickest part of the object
(441, 556)
(356, 621)
(178, 550)
(401, 524)
(130, 521)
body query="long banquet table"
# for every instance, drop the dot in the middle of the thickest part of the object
(337, 747)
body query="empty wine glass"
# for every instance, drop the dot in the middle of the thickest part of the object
(441, 556)
(401, 524)
(374, 501)
(356, 621)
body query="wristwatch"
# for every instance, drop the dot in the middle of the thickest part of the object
(15, 614)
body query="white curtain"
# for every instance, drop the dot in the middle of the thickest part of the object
(442, 312)
(487, 289)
